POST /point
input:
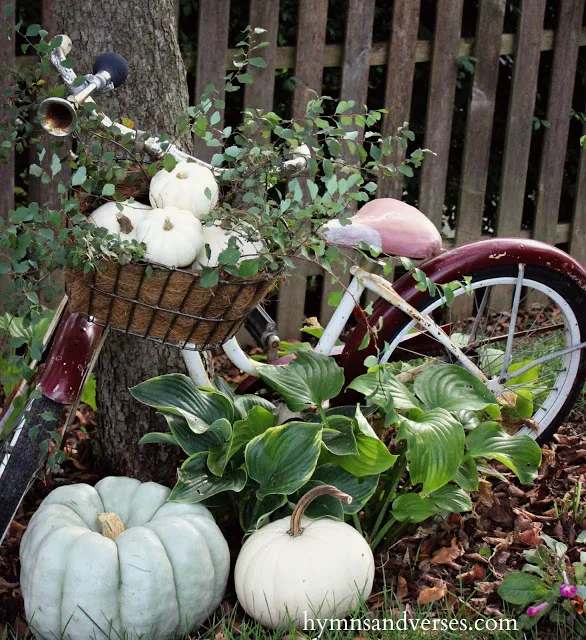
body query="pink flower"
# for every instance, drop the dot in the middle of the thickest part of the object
(566, 589)
(533, 611)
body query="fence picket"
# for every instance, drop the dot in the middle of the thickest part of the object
(520, 120)
(259, 94)
(551, 172)
(214, 21)
(291, 303)
(479, 121)
(309, 52)
(357, 46)
(440, 107)
(578, 227)
(399, 85)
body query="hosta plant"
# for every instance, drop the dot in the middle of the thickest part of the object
(550, 584)
(443, 440)
(237, 448)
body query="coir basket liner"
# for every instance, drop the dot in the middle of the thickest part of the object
(168, 306)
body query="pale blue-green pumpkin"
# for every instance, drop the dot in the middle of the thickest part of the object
(162, 576)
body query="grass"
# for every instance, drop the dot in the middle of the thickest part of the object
(229, 627)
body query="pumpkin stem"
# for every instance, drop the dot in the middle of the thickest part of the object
(308, 498)
(182, 175)
(125, 223)
(112, 525)
(167, 225)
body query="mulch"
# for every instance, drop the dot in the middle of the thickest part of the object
(457, 564)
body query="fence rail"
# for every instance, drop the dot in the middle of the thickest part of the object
(401, 52)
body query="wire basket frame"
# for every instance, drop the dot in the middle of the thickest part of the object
(169, 305)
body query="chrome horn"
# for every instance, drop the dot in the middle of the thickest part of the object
(57, 116)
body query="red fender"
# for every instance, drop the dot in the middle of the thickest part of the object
(446, 267)
(69, 358)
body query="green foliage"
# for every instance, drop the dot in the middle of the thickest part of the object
(549, 582)
(442, 440)
(235, 444)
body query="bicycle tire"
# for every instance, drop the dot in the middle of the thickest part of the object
(567, 289)
(21, 455)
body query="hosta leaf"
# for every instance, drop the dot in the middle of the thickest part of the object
(338, 436)
(257, 422)
(521, 454)
(305, 382)
(373, 457)
(282, 459)
(451, 498)
(178, 395)
(155, 437)
(452, 388)
(322, 506)
(187, 439)
(377, 385)
(244, 404)
(436, 448)
(195, 482)
(467, 474)
(253, 513)
(522, 588)
(222, 429)
(412, 507)
(361, 489)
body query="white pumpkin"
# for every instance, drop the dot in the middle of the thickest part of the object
(295, 570)
(218, 238)
(122, 223)
(172, 236)
(184, 188)
(162, 576)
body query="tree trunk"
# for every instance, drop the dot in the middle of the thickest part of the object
(144, 32)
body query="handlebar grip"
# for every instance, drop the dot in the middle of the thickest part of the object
(114, 64)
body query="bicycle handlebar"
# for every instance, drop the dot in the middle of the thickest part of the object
(107, 79)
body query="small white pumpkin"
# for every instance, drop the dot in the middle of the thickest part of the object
(295, 570)
(122, 223)
(172, 236)
(184, 187)
(148, 568)
(218, 238)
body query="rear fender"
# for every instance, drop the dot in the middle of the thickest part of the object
(448, 266)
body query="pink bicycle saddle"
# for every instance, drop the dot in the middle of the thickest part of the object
(394, 227)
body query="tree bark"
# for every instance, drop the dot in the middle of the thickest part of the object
(144, 32)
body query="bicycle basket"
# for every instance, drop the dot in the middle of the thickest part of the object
(168, 306)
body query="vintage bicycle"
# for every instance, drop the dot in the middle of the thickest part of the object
(500, 347)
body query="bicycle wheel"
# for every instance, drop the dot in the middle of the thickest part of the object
(551, 317)
(22, 456)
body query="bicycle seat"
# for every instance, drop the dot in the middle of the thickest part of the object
(392, 226)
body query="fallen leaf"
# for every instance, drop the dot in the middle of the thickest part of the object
(445, 555)
(477, 573)
(431, 594)
(402, 589)
(485, 492)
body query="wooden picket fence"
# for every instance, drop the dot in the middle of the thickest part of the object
(401, 53)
